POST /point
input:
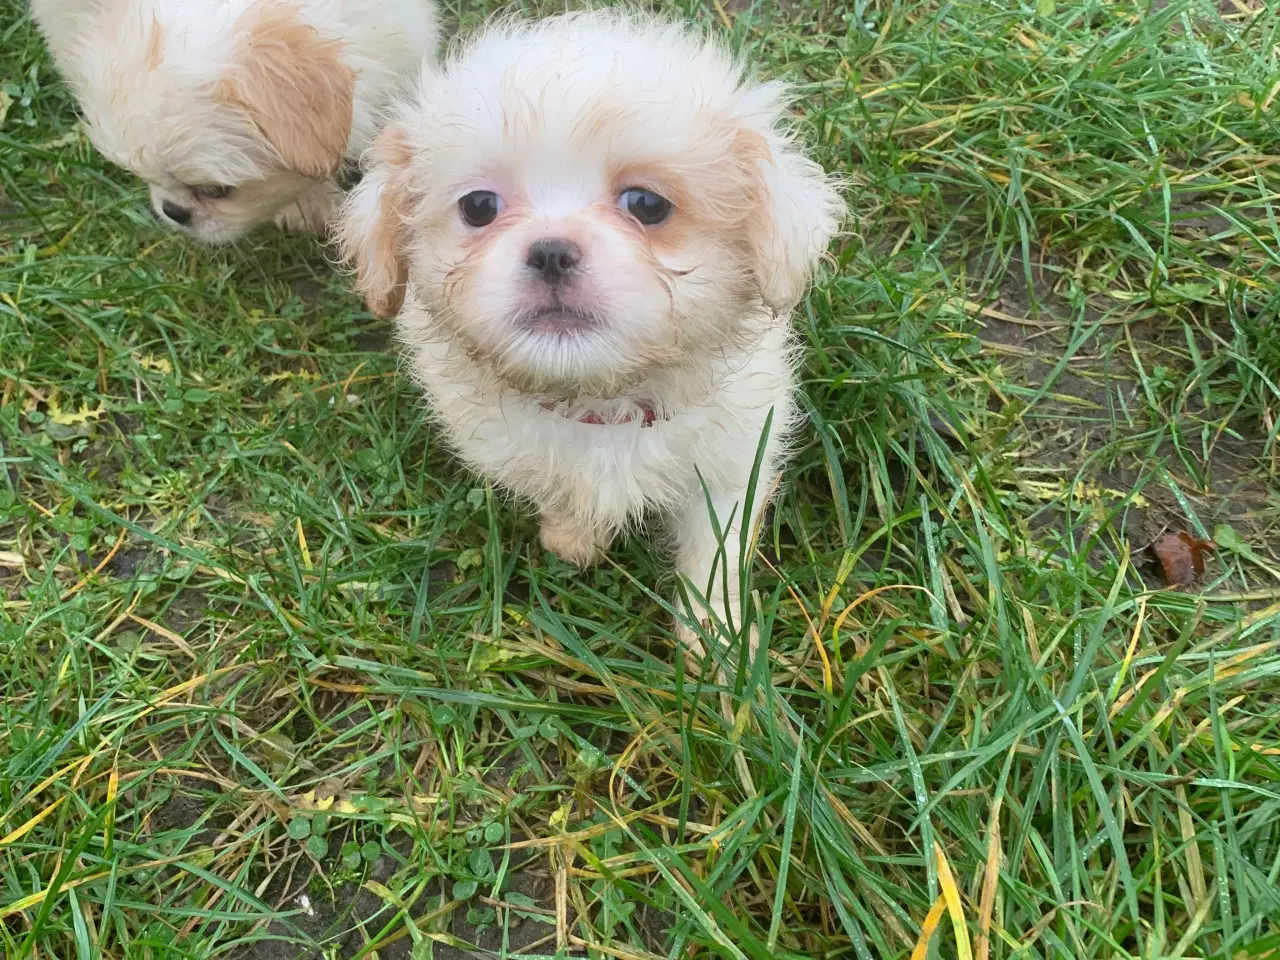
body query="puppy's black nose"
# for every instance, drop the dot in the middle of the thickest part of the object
(554, 260)
(179, 215)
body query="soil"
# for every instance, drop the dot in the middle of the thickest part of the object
(1084, 412)
(334, 924)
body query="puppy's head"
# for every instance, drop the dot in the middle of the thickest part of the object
(229, 117)
(584, 200)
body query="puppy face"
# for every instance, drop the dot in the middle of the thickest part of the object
(585, 200)
(228, 116)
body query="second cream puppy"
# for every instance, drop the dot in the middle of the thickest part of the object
(236, 112)
(592, 230)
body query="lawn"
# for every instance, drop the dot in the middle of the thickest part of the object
(281, 679)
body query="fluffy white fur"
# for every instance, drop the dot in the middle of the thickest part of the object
(688, 319)
(267, 97)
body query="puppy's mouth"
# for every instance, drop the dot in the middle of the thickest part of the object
(558, 322)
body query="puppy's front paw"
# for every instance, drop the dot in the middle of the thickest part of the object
(692, 640)
(571, 543)
(312, 211)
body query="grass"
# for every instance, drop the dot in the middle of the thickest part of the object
(281, 679)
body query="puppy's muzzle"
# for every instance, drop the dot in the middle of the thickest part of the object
(554, 261)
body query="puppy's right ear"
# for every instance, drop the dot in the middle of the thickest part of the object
(371, 230)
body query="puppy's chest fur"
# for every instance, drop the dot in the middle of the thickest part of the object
(608, 463)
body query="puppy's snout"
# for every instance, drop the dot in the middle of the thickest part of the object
(179, 215)
(555, 261)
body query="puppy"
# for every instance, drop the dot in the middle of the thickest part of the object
(592, 230)
(236, 112)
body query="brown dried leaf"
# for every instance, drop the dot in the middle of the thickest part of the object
(1181, 556)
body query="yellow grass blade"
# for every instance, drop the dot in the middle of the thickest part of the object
(930, 924)
(302, 544)
(109, 828)
(26, 828)
(991, 877)
(952, 894)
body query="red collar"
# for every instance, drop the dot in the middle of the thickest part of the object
(646, 415)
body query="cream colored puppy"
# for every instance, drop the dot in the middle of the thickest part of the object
(236, 112)
(593, 229)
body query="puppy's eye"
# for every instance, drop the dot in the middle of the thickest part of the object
(480, 207)
(645, 205)
(212, 191)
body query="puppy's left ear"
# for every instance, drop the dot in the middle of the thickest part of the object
(292, 84)
(371, 229)
(797, 207)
